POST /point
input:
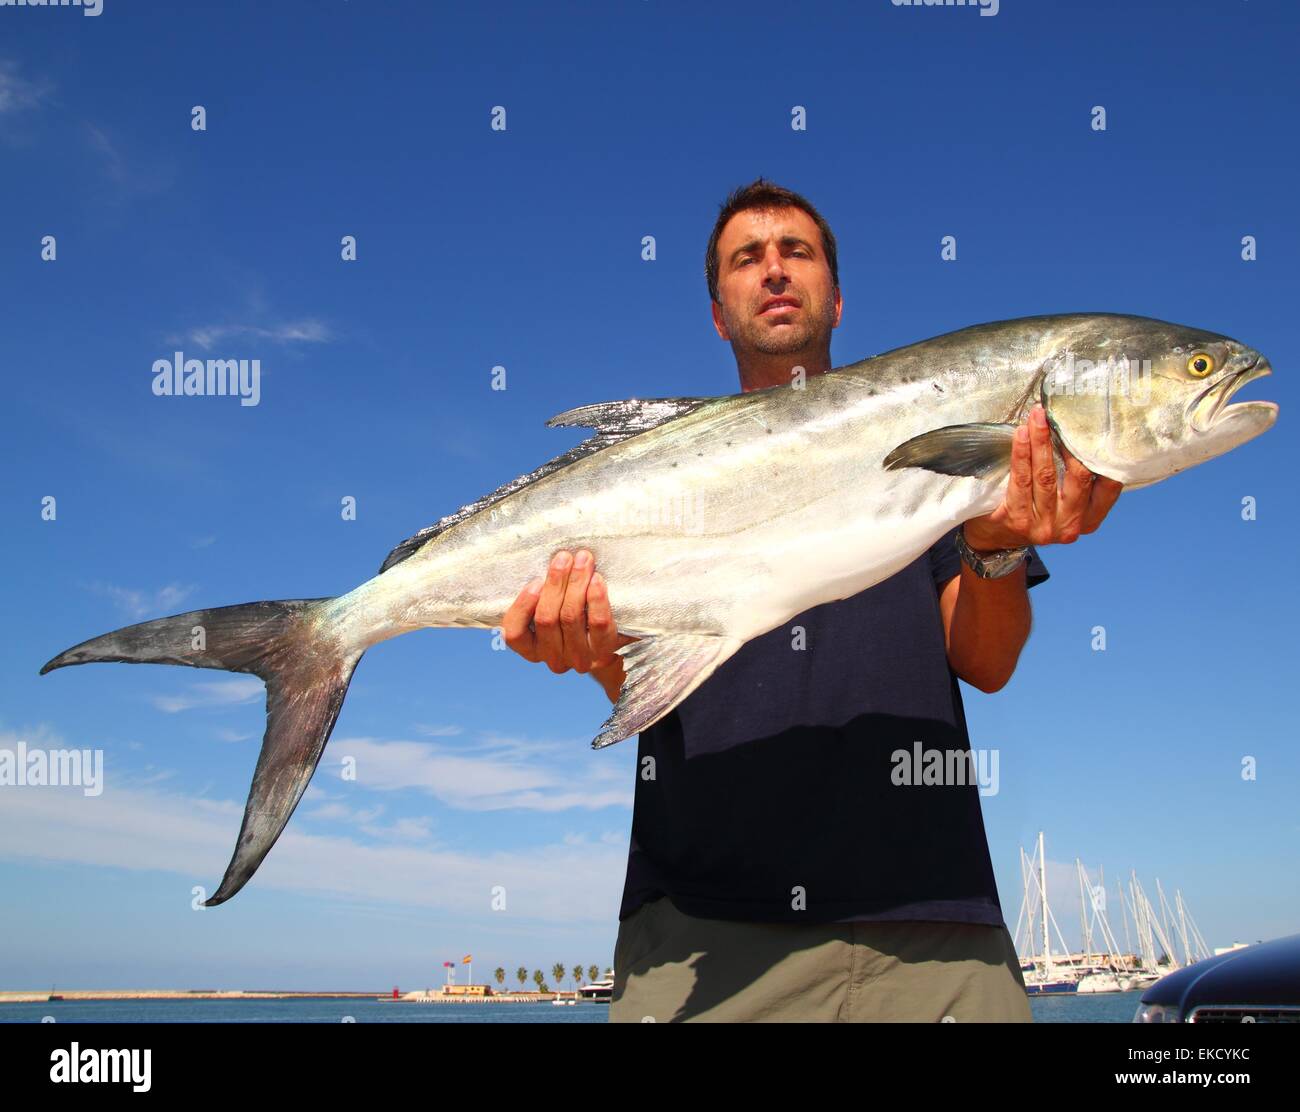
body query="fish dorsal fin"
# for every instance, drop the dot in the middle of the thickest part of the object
(613, 421)
(627, 416)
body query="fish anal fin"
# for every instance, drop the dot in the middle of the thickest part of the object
(662, 670)
(976, 451)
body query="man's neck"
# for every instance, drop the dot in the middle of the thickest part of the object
(759, 370)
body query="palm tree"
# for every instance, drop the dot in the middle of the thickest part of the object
(522, 974)
(557, 971)
(500, 975)
(593, 973)
(577, 975)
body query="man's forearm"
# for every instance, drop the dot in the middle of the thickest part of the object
(990, 624)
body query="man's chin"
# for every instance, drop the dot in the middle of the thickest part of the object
(781, 340)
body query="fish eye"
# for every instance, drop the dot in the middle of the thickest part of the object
(1200, 364)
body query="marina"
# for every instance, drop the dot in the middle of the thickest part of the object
(1100, 965)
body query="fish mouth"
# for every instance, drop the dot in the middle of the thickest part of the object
(1210, 407)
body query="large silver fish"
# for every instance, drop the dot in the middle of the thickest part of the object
(714, 520)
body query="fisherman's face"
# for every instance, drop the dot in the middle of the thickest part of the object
(775, 253)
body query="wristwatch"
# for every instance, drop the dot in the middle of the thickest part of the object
(991, 565)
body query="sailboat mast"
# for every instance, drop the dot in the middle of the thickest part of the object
(1042, 884)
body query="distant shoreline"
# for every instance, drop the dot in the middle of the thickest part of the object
(12, 996)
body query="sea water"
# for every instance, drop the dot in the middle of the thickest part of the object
(1091, 1008)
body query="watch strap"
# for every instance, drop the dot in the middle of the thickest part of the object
(991, 565)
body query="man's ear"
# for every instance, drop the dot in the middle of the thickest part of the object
(718, 322)
(839, 307)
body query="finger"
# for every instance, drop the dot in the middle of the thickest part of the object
(1043, 465)
(1075, 493)
(573, 613)
(1105, 492)
(546, 619)
(602, 634)
(516, 626)
(1019, 497)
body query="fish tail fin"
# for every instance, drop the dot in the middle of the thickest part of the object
(289, 644)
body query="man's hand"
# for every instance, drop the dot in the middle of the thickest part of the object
(563, 620)
(1034, 511)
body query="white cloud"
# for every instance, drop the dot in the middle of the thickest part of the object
(141, 604)
(401, 830)
(479, 783)
(132, 177)
(228, 692)
(404, 830)
(149, 830)
(16, 93)
(606, 837)
(522, 747)
(113, 164)
(341, 811)
(306, 331)
(314, 793)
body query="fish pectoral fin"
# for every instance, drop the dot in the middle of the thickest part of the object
(661, 671)
(977, 451)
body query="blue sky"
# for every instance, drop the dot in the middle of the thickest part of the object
(522, 248)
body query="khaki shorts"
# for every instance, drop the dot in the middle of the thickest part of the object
(671, 967)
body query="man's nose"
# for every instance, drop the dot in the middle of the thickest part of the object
(776, 267)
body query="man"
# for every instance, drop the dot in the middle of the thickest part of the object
(779, 869)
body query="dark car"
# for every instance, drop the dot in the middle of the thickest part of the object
(1256, 984)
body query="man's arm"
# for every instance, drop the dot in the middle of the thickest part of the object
(986, 621)
(985, 625)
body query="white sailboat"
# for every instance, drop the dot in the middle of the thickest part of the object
(1100, 966)
(1098, 972)
(1043, 974)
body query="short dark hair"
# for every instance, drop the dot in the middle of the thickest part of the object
(763, 194)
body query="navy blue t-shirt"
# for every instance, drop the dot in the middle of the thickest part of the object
(774, 780)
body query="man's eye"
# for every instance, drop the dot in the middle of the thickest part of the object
(745, 260)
